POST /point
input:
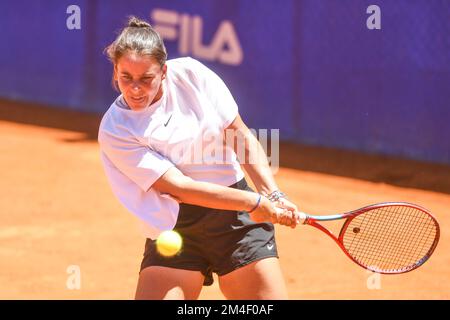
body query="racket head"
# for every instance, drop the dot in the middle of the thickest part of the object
(389, 238)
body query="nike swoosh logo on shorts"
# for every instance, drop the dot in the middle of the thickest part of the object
(270, 246)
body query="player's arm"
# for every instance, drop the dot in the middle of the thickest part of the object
(253, 159)
(211, 195)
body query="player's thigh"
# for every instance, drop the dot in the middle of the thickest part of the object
(157, 283)
(261, 279)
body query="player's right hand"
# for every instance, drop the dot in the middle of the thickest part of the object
(275, 213)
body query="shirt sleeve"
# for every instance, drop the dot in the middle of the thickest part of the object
(217, 92)
(138, 162)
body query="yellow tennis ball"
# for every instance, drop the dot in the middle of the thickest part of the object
(169, 243)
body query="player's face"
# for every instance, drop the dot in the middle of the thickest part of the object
(139, 78)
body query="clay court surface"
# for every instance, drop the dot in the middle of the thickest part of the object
(57, 211)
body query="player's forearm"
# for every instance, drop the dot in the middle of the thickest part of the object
(261, 177)
(251, 155)
(215, 196)
(204, 194)
(257, 166)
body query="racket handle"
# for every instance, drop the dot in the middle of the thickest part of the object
(303, 217)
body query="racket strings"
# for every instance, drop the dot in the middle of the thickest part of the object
(371, 249)
(391, 239)
(376, 257)
(389, 247)
(405, 253)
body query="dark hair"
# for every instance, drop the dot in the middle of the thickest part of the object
(138, 36)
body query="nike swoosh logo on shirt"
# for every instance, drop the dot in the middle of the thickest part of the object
(167, 122)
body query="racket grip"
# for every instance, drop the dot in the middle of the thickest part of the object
(302, 217)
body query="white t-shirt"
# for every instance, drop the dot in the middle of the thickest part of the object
(183, 129)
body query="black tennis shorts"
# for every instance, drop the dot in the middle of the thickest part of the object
(214, 240)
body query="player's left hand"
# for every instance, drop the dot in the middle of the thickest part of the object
(292, 208)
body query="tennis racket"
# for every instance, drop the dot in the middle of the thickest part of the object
(388, 238)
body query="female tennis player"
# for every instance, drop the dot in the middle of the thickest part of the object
(166, 149)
